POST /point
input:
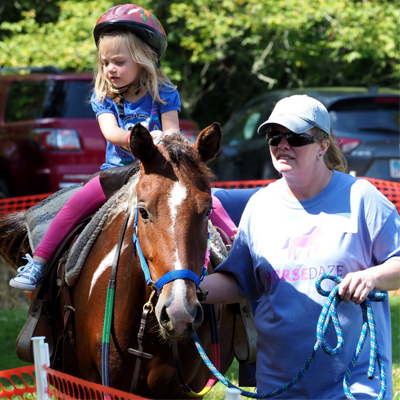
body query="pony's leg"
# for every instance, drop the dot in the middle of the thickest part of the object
(81, 204)
(220, 218)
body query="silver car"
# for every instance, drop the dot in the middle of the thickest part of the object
(365, 122)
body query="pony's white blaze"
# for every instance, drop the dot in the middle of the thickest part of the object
(177, 263)
(176, 198)
(179, 290)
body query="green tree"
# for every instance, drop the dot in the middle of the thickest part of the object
(242, 48)
(223, 52)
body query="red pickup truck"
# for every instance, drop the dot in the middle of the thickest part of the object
(49, 136)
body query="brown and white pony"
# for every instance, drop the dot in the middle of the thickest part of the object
(173, 202)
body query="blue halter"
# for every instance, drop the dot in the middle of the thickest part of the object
(169, 276)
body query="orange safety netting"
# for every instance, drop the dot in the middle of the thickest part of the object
(21, 382)
(13, 204)
(390, 189)
(18, 382)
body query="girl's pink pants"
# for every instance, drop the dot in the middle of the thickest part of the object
(87, 200)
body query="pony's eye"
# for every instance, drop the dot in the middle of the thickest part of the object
(143, 213)
(209, 211)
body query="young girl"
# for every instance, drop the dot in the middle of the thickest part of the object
(130, 87)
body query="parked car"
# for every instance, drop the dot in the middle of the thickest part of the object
(365, 122)
(49, 136)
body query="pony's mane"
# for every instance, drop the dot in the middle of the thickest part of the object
(124, 200)
(183, 155)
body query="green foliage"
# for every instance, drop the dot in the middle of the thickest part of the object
(251, 46)
(11, 322)
(395, 318)
(223, 52)
(394, 299)
(65, 42)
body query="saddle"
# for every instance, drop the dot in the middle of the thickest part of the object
(42, 312)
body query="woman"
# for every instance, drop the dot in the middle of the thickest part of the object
(316, 219)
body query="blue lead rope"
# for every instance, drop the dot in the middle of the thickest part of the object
(328, 314)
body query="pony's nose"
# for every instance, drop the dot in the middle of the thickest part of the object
(181, 322)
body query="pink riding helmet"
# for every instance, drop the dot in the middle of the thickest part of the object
(136, 19)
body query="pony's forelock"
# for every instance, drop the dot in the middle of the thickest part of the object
(183, 155)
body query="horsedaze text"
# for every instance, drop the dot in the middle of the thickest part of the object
(304, 273)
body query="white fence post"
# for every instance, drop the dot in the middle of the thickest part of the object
(41, 357)
(232, 394)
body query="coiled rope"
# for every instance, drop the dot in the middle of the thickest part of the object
(328, 314)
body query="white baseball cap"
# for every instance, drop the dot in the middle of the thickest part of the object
(298, 113)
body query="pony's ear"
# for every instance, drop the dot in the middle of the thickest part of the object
(208, 142)
(141, 143)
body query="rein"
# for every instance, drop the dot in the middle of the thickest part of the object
(328, 314)
(105, 351)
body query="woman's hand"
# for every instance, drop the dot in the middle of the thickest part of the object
(235, 231)
(356, 286)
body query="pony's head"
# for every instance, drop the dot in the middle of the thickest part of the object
(173, 205)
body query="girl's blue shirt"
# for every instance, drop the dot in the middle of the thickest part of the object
(146, 111)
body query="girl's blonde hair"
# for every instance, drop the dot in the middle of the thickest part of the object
(152, 77)
(333, 158)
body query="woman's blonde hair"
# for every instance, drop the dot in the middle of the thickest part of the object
(333, 158)
(152, 77)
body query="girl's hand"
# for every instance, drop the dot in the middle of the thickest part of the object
(157, 136)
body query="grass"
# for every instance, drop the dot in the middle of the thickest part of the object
(394, 299)
(11, 322)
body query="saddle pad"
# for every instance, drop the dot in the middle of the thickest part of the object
(39, 216)
(81, 247)
(218, 250)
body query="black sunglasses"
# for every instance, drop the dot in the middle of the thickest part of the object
(294, 139)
